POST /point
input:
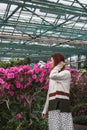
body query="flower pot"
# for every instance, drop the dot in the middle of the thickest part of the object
(80, 127)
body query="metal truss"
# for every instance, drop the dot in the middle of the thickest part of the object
(22, 21)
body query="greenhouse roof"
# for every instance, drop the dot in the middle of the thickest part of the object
(61, 21)
(42, 27)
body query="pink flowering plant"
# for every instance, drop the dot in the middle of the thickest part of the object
(79, 96)
(20, 87)
(16, 80)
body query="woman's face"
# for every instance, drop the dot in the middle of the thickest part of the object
(52, 62)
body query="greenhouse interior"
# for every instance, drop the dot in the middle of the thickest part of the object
(30, 32)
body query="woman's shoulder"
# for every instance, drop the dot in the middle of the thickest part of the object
(66, 72)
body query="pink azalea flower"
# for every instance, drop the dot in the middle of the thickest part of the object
(41, 80)
(20, 69)
(7, 86)
(25, 104)
(37, 80)
(18, 84)
(34, 76)
(26, 67)
(37, 70)
(31, 71)
(2, 70)
(10, 75)
(27, 85)
(46, 87)
(43, 74)
(47, 65)
(14, 69)
(1, 81)
(21, 96)
(7, 70)
(29, 80)
(72, 70)
(11, 93)
(19, 115)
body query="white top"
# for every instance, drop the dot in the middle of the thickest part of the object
(59, 81)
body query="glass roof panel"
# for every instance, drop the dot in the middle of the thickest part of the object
(66, 19)
(2, 10)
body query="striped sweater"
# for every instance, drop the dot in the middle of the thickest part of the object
(59, 86)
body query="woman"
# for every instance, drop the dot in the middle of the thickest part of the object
(57, 103)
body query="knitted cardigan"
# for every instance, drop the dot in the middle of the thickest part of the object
(59, 85)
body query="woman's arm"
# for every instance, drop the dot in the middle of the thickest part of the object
(46, 105)
(56, 74)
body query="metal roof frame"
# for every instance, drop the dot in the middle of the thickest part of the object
(50, 23)
(23, 21)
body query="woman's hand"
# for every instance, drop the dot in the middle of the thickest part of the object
(44, 116)
(62, 63)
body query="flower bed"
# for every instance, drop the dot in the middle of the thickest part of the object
(21, 96)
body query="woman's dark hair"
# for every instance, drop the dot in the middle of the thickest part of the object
(57, 57)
